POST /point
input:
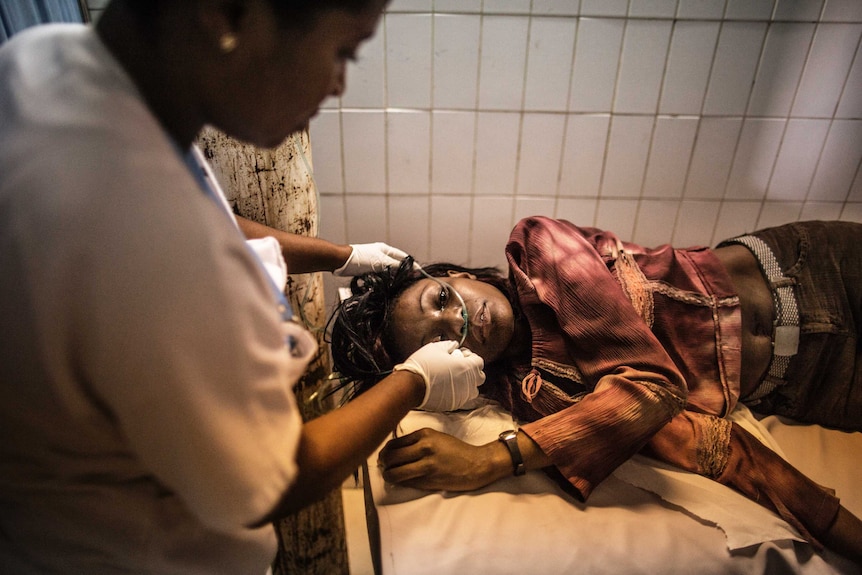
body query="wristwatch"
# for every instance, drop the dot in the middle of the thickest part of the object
(510, 440)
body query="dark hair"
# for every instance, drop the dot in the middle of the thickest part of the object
(291, 13)
(299, 13)
(363, 348)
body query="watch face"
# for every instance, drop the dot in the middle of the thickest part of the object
(510, 440)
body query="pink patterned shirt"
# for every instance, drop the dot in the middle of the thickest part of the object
(623, 339)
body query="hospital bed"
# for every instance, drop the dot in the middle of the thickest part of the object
(646, 518)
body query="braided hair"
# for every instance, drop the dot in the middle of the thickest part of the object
(360, 334)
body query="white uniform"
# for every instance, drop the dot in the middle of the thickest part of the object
(146, 410)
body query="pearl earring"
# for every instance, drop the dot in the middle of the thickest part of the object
(228, 43)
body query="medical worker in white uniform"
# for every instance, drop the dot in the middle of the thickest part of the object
(147, 419)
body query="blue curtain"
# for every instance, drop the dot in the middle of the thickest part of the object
(15, 15)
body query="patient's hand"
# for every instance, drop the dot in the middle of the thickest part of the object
(429, 459)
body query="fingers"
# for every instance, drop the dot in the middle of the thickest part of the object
(400, 464)
(406, 448)
(450, 374)
(450, 345)
(393, 252)
(413, 474)
(401, 441)
(403, 459)
(434, 461)
(477, 361)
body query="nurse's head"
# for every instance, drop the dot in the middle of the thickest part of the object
(256, 69)
(393, 313)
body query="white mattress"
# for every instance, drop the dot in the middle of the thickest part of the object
(529, 525)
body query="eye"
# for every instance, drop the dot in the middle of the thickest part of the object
(443, 297)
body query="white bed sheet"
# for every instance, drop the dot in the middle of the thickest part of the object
(529, 525)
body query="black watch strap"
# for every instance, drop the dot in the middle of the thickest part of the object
(510, 440)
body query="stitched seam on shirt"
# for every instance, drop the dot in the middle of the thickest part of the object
(713, 449)
(635, 286)
(560, 370)
(665, 395)
(692, 297)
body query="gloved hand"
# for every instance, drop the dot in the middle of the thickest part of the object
(452, 376)
(370, 258)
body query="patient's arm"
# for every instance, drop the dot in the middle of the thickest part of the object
(303, 254)
(429, 459)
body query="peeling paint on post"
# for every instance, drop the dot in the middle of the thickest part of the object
(275, 187)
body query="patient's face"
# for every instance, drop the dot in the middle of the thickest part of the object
(426, 312)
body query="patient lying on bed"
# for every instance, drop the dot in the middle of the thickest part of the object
(607, 349)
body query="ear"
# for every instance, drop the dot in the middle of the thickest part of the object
(456, 274)
(221, 18)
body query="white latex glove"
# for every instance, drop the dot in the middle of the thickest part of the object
(452, 376)
(370, 258)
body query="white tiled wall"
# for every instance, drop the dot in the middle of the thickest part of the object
(681, 121)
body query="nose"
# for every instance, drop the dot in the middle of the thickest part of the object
(455, 321)
(339, 82)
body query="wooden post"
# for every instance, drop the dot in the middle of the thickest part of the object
(275, 187)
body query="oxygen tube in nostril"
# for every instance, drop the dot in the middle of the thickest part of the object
(447, 287)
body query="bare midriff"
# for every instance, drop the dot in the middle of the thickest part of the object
(755, 298)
